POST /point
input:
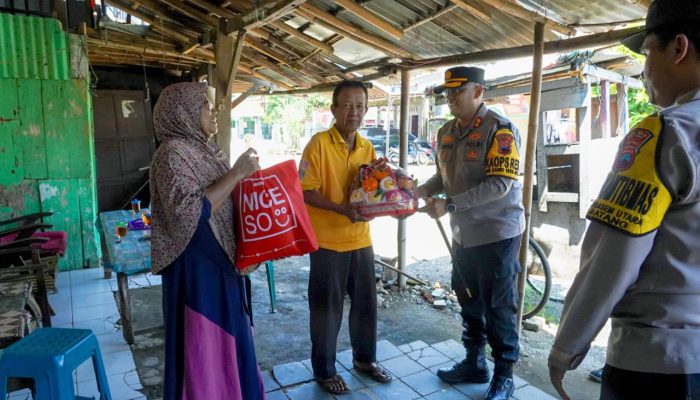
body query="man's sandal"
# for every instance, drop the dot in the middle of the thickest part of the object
(375, 371)
(334, 385)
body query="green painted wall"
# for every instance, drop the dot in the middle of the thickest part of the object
(47, 157)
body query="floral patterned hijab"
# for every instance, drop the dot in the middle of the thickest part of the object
(183, 166)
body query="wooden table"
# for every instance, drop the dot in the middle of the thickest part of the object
(130, 257)
(133, 256)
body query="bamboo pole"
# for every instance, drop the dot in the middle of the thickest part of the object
(383, 264)
(535, 95)
(403, 162)
(371, 18)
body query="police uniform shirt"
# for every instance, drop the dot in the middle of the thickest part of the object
(640, 258)
(477, 167)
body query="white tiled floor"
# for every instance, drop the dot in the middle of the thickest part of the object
(85, 300)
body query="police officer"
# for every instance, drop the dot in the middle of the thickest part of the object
(477, 169)
(640, 258)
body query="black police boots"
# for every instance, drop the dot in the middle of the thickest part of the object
(502, 386)
(471, 369)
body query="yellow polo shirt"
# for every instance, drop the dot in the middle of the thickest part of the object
(328, 167)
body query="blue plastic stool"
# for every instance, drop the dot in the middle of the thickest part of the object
(49, 356)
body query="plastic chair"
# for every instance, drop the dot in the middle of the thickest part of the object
(49, 356)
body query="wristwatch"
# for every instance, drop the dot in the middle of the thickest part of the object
(450, 206)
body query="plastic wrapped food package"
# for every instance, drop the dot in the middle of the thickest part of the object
(382, 190)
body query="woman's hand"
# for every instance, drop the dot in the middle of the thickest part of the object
(246, 164)
(220, 191)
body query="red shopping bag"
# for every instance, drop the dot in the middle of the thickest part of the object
(271, 218)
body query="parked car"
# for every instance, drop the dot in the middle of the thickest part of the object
(416, 154)
(419, 151)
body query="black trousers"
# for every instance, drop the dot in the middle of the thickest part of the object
(485, 279)
(333, 275)
(622, 384)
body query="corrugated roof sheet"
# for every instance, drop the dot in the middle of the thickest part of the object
(32, 48)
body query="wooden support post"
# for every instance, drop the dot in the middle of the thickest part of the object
(403, 162)
(535, 94)
(371, 18)
(225, 60)
(387, 124)
(583, 132)
(622, 110)
(604, 116)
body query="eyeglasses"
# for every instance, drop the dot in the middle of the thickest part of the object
(453, 91)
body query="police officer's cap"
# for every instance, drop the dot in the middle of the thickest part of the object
(664, 13)
(458, 76)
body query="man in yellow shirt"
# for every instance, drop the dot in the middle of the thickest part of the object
(344, 262)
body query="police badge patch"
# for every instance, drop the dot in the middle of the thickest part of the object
(629, 148)
(505, 141)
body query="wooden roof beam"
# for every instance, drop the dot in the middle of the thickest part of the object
(174, 19)
(473, 8)
(267, 36)
(260, 16)
(273, 67)
(258, 45)
(156, 24)
(301, 36)
(235, 103)
(328, 87)
(371, 18)
(431, 17)
(513, 8)
(251, 71)
(281, 58)
(192, 12)
(315, 14)
(557, 46)
(331, 41)
(219, 11)
(94, 42)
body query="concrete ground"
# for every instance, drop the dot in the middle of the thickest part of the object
(283, 337)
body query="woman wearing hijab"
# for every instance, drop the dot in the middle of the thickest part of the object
(209, 350)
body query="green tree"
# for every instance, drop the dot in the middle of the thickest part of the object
(637, 99)
(292, 112)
